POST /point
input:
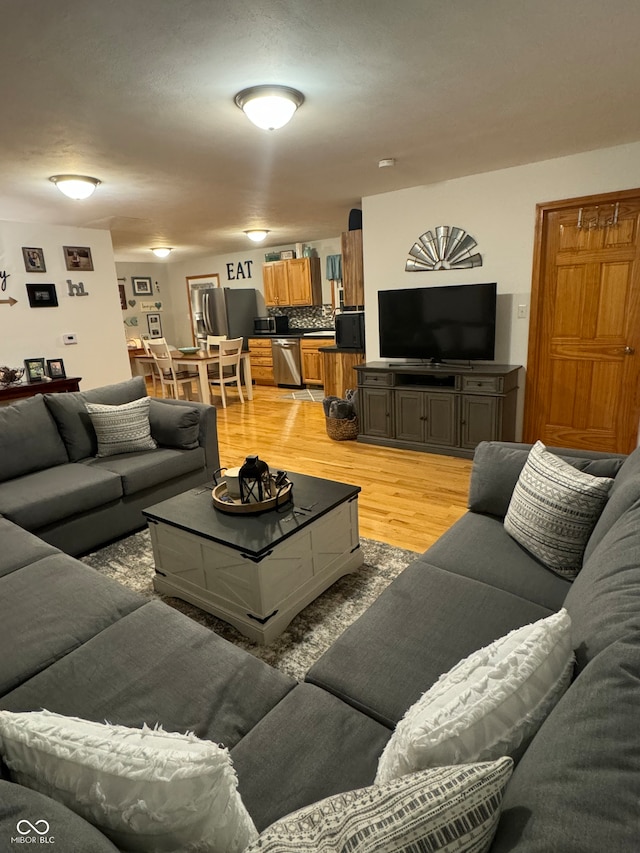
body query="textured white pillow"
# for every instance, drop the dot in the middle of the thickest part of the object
(553, 510)
(488, 704)
(122, 429)
(442, 809)
(146, 789)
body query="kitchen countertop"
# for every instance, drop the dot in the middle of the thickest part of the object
(340, 349)
(297, 333)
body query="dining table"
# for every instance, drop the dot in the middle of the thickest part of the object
(202, 360)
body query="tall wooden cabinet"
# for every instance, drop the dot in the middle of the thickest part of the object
(448, 409)
(296, 282)
(352, 269)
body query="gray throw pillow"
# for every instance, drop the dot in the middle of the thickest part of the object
(554, 509)
(122, 429)
(174, 426)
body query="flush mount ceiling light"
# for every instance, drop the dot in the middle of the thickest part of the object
(75, 186)
(162, 251)
(269, 107)
(256, 235)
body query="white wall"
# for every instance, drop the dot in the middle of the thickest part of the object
(242, 274)
(498, 210)
(158, 273)
(100, 356)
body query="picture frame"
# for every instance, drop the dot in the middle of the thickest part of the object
(33, 259)
(78, 258)
(287, 255)
(42, 295)
(142, 285)
(154, 324)
(34, 368)
(123, 297)
(55, 368)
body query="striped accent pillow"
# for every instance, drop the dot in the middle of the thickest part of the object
(122, 429)
(440, 809)
(553, 510)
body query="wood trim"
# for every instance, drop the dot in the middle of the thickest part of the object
(588, 200)
(188, 280)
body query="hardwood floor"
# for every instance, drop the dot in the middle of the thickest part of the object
(408, 499)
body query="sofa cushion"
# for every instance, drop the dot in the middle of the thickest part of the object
(496, 559)
(146, 789)
(156, 665)
(310, 746)
(577, 787)
(604, 600)
(174, 426)
(554, 509)
(45, 497)
(32, 817)
(19, 547)
(72, 418)
(122, 429)
(140, 471)
(624, 493)
(395, 651)
(30, 440)
(438, 809)
(490, 704)
(51, 607)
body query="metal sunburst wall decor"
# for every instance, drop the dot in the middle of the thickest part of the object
(449, 249)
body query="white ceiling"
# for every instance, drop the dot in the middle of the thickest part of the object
(139, 93)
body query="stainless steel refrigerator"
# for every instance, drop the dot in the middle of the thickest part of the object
(226, 311)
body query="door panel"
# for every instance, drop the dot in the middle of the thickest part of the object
(584, 342)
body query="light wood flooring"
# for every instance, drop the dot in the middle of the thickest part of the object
(408, 499)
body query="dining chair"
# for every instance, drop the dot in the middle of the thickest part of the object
(153, 368)
(213, 342)
(169, 376)
(230, 354)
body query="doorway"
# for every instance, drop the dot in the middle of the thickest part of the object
(584, 340)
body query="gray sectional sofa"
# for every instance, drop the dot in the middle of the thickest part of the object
(87, 647)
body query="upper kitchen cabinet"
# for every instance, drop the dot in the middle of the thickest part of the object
(352, 269)
(296, 282)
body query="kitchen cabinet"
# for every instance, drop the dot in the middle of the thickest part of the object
(448, 409)
(311, 358)
(296, 282)
(352, 269)
(261, 361)
(338, 370)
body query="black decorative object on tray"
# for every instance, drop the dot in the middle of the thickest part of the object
(251, 489)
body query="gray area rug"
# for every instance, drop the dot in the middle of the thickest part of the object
(130, 562)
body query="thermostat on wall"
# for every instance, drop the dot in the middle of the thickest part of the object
(70, 339)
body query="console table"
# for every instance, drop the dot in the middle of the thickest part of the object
(30, 389)
(437, 408)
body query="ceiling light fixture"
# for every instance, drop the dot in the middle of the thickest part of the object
(75, 186)
(162, 251)
(256, 235)
(269, 107)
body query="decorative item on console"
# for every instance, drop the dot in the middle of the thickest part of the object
(251, 488)
(255, 480)
(10, 375)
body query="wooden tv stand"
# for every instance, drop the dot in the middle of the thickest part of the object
(437, 408)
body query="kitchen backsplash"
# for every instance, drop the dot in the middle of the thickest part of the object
(315, 317)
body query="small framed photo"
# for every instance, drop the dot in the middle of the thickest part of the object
(154, 324)
(142, 285)
(35, 369)
(78, 258)
(42, 295)
(55, 368)
(33, 259)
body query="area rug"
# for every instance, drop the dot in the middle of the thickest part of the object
(314, 395)
(130, 561)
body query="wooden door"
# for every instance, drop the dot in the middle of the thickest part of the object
(584, 341)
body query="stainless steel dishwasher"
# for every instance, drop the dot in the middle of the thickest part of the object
(286, 361)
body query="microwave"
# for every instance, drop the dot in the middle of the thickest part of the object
(350, 330)
(271, 325)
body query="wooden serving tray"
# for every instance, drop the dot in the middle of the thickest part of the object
(224, 502)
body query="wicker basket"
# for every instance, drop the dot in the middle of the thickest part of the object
(342, 429)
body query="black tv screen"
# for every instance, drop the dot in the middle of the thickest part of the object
(437, 323)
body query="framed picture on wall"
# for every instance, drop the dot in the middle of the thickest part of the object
(154, 324)
(78, 258)
(123, 297)
(55, 368)
(142, 285)
(42, 295)
(35, 369)
(33, 259)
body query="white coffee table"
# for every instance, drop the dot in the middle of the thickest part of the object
(256, 571)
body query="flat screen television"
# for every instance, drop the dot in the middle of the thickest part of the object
(456, 322)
